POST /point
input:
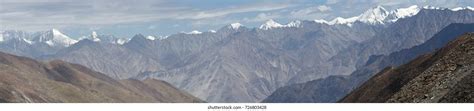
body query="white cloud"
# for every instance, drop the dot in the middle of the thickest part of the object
(227, 11)
(332, 2)
(324, 8)
(262, 17)
(43, 14)
(313, 12)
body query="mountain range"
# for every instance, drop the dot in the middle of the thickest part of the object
(240, 64)
(334, 88)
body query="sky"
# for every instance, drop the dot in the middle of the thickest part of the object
(125, 18)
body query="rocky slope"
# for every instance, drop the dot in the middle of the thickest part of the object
(248, 65)
(334, 88)
(444, 76)
(117, 61)
(26, 80)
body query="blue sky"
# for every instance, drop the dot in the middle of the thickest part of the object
(125, 18)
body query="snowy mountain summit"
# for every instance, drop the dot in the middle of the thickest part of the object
(379, 15)
(270, 24)
(375, 16)
(403, 13)
(103, 38)
(194, 32)
(94, 37)
(235, 26)
(54, 38)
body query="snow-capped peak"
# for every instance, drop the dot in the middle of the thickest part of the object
(235, 26)
(94, 34)
(269, 24)
(374, 15)
(54, 38)
(62, 39)
(57, 32)
(194, 32)
(404, 12)
(94, 37)
(340, 20)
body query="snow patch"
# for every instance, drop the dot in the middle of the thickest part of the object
(194, 32)
(470, 8)
(321, 21)
(94, 34)
(462, 8)
(1, 38)
(95, 37)
(150, 37)
(162, 37)
(235, 26)
(212, 31)
(432, 8)
(27, 41)
(121, 41)
(270, 24)
(50, 43)
(296, 23)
